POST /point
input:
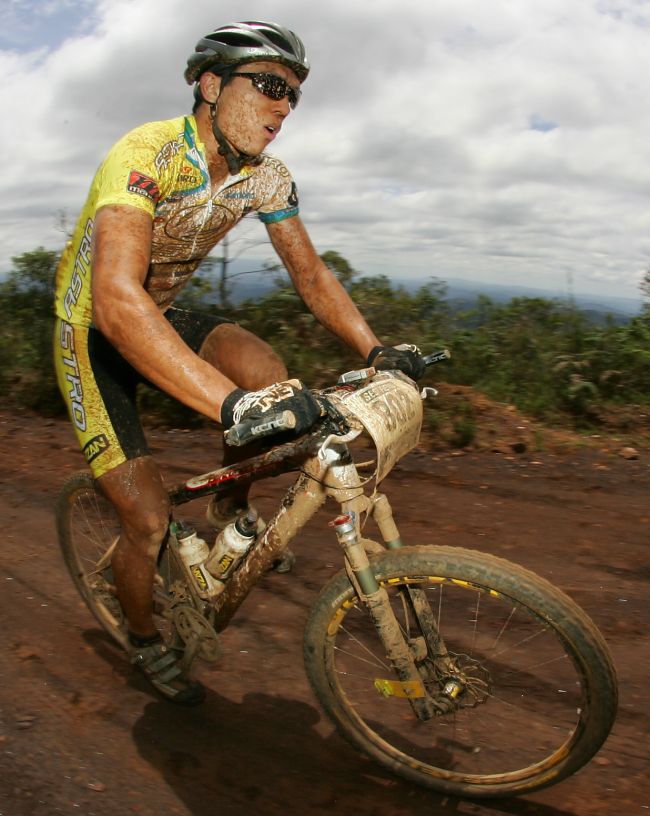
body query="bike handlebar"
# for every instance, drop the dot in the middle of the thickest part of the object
(436, 357)
(257, 428)
(250, 429)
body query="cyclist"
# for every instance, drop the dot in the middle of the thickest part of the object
(166, 193)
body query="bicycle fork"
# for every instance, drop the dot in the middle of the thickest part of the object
(402, 651)
(378, 605)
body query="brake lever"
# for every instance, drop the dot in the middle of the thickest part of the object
(333, 439)
(428, 391)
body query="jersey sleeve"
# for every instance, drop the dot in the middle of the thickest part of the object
(132, 172)
(282, 199)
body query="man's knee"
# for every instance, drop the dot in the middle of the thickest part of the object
(146, 528)
(142, 504)
(244, 358)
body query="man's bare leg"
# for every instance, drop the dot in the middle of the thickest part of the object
(251, 364)
(136, 491)
(243, 357)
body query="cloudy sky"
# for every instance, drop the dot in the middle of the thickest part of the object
(503, 141)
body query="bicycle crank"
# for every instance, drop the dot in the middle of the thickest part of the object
(197, 634)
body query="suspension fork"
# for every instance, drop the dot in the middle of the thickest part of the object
(416, 599)
(377, 602)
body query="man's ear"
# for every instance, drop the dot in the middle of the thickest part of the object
(210, 85)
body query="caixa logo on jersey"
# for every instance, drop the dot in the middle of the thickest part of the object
(143, 185)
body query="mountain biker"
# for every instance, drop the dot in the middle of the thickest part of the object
(166, 193)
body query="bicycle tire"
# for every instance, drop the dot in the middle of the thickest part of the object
(539, 721)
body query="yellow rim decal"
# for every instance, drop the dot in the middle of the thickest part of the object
(405, 579)
(439, 579)
(395, 688)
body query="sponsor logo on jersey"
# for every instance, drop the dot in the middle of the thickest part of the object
(143, 185)
(79, 271)
(98, 444)
(293, 195)
(167, 152)
(75, 393)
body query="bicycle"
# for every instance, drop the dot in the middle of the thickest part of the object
(455, 669)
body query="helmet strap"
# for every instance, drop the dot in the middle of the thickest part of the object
(235, 159)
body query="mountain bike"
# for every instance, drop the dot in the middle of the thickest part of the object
(453, 668)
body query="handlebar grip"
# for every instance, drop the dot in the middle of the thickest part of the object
(437, 357)
(251, 429)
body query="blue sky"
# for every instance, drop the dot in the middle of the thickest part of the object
(502, 142)
(34, 24)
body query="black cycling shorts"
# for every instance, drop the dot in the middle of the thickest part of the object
(99, 387)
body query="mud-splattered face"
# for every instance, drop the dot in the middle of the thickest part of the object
(248, 118)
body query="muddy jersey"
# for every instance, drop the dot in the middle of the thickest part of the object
(161, 168)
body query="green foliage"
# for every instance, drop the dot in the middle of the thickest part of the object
(339, 266)
(312, 353)
(450, 420)
(26, 325)
(542, 356)
(644, 286)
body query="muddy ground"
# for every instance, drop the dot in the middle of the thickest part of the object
(80, 733)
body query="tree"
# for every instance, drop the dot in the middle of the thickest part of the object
(644, 286)
(229, 253)
(340, 267)
(27, 322)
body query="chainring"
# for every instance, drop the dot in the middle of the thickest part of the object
(197, 633)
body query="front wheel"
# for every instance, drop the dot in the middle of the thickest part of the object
(521, 679)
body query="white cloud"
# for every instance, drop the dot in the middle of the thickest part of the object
(503, 142)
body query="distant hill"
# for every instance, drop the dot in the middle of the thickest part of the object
(469, 290)
(462, 294)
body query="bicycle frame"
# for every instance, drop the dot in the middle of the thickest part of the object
(388, 407)
(328, 471)
(320, 477)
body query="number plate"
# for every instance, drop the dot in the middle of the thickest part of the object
(391, 412)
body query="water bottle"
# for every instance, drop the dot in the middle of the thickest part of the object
(232, 544)
(194, 551)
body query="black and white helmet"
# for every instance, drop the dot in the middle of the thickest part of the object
(238, 43)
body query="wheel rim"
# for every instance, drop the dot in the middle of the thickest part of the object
(522, 703)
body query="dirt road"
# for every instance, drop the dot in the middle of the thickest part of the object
(80, 733)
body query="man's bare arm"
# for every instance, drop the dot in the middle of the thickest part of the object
(321, 291)
(127, 316)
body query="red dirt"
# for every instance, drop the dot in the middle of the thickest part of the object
(80, 733)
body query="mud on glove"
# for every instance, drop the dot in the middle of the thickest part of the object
(291, 395)
(406, 358)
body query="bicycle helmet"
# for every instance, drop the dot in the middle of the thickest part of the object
(253, 41)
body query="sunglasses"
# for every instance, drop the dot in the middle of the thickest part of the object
(273, 86)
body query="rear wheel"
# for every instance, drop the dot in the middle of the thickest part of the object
(525, 691)
(88, 529)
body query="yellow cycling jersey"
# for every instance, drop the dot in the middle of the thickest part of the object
(161, 168)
